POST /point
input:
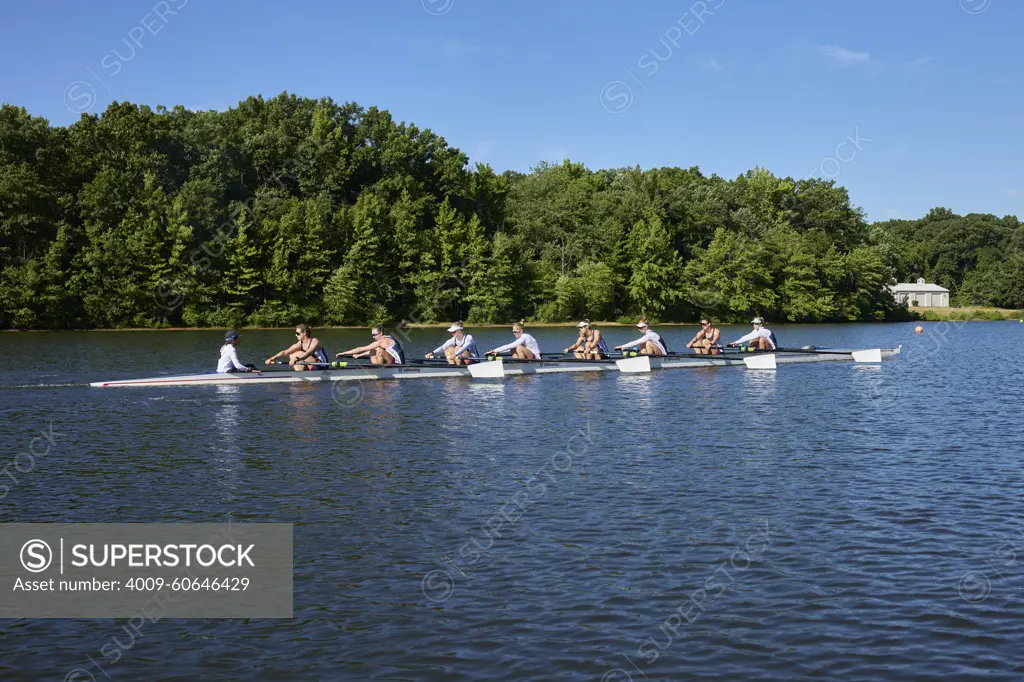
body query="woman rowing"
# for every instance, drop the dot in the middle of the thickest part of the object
(385, 349)
(460, 349)
(650, 343)
(760, 339)
(306, 353)
(523, 348)
(706, 340)
(590, 344)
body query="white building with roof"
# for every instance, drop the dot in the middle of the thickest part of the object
(921, 294)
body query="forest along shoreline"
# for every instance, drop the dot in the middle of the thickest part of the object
(290, 209)
(930, 315)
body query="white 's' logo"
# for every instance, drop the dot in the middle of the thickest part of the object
(36, 556)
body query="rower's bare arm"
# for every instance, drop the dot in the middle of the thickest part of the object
(285, 353)
(360, 349)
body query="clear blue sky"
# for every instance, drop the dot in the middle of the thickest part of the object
(932, 87)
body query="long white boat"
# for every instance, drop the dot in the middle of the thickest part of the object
(498, 368)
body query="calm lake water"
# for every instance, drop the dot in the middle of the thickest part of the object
(823, 521)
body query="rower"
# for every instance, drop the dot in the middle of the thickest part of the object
(306, 353)
(760, 339)
(460, 349)
(650, 343)
(385, 349)
(523, 348)
(228, 361)
(590, 344)
(706, 340)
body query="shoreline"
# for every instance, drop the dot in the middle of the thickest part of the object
(967, 314)
(971, 314)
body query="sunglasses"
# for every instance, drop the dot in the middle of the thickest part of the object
(517, 331)
(298, 333)
(705, 324)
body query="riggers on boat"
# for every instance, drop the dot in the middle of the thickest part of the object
(497, 367)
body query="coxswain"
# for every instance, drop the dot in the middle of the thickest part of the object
(761, 338)
(523, 348)
(590, 344)
(460, 349)
(385, 349)
(706, 340)
(650, 343)
(306, 353)
(228, 361)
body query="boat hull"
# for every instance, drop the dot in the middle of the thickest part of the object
(449, 371)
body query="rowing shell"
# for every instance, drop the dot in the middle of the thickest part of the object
(499, 368)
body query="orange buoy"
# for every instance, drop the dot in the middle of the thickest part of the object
(918, 329)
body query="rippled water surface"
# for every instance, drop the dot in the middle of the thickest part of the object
(822, 521)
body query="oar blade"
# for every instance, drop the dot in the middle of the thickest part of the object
(494, 369)
(873, 355)
(641, 363)
(766, 361)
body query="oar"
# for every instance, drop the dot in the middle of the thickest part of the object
(542, 359)
(493, 367)
(869, 355)
(304, 363)
(322, 365)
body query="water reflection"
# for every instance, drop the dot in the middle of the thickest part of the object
(227, 453)
(636, 389)
(480, 392)
(760, 382)
(302, 409)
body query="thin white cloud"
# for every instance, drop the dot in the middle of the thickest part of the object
(1012, 192)
(920, 65)
(450, 48)
(843, 57)
(454, 48)
(708, 65)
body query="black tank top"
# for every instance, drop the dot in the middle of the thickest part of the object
(319, 355)
(397, 347)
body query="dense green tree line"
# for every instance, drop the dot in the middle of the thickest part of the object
(293, 209)
(979, 258)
